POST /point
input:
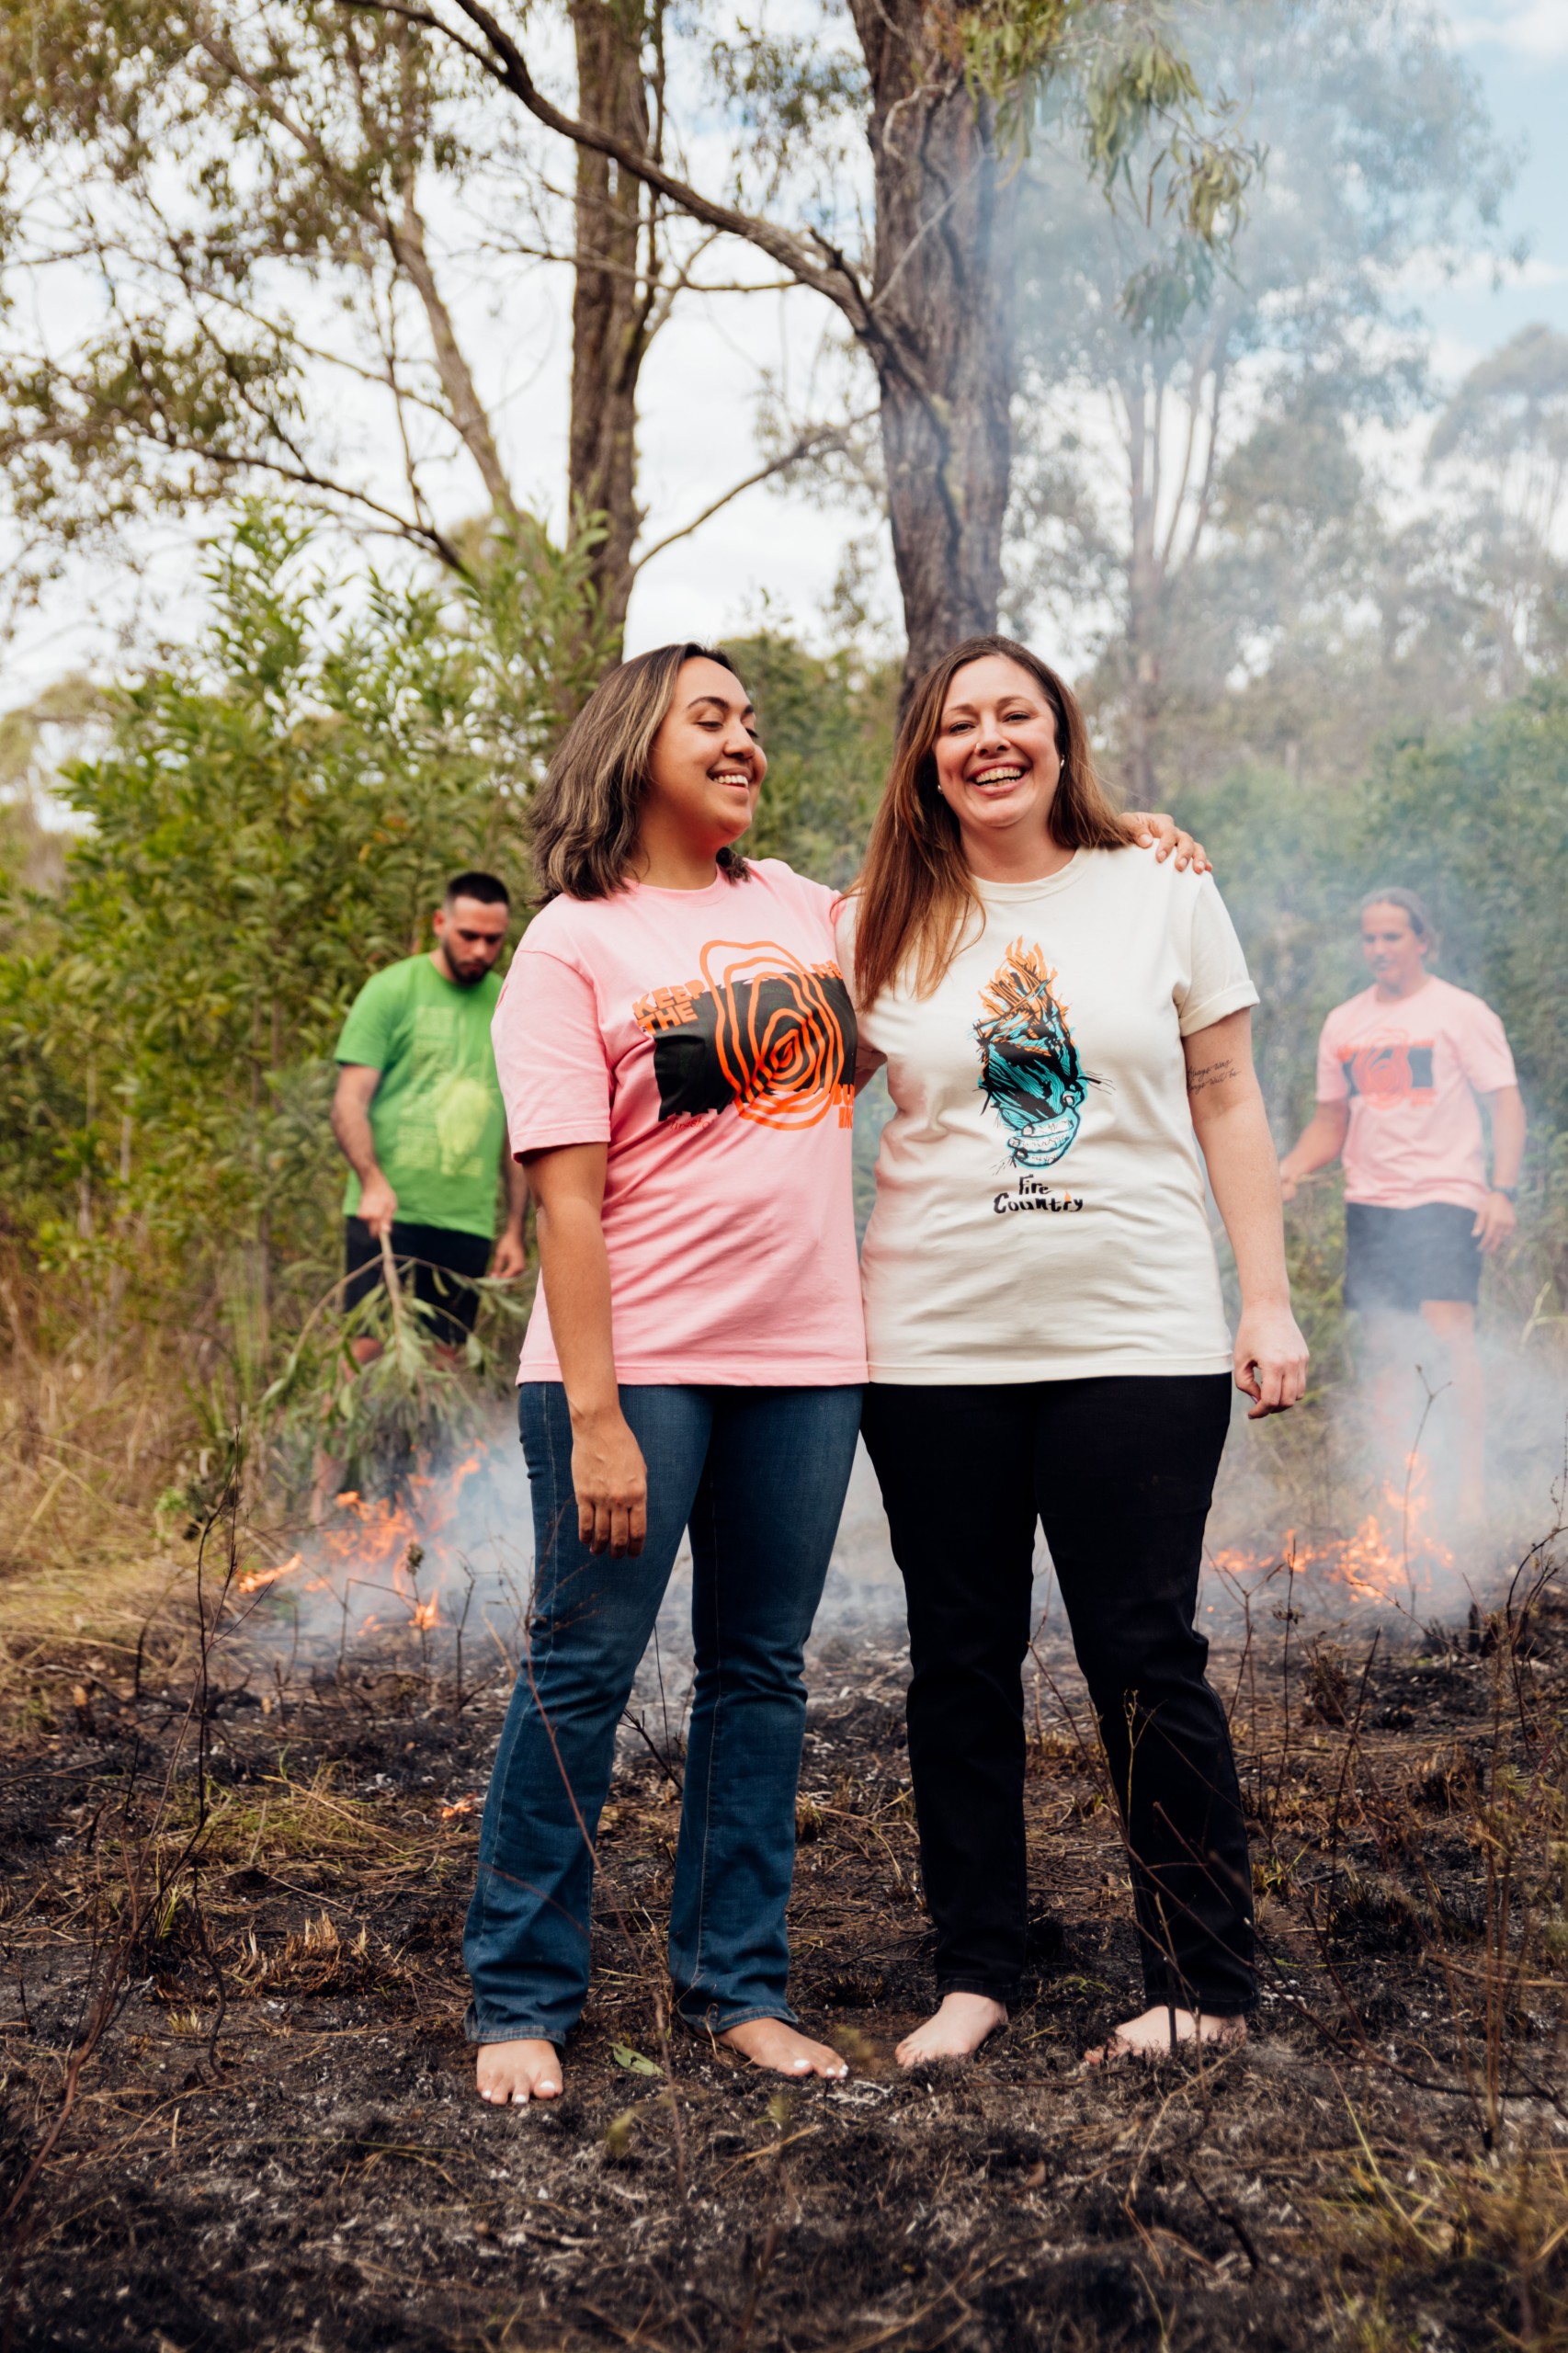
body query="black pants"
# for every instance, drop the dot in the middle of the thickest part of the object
(445, 1264)
(1120, 1472)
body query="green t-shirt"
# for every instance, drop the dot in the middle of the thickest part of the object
(436, 1117)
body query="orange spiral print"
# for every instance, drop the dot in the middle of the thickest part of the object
(782, 1051)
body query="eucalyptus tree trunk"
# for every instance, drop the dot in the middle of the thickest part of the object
(937, 320)
(941, 328)
(610, 304)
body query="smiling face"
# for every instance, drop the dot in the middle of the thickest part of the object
(1394, 949)
(996, 756)
(706, 765)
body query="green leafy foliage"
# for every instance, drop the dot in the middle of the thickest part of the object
(270, 819)
(1127, 79)
(827, 728)
(1229, 562)
(1478, 818)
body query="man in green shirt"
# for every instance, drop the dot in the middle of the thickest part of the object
(419, 1117)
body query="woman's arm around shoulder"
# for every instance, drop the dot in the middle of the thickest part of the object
(1231, 1127)
(1157, 830)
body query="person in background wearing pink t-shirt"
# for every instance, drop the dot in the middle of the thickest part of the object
(1403, 1070)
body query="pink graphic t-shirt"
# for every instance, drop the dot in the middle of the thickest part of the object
(708, 1038)
(1411, 1072)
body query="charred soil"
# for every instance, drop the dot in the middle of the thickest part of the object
(239, 2109)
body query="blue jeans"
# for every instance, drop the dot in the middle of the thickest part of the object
(758, 1475)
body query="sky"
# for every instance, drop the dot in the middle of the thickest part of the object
(1519, 49)
(776, 555)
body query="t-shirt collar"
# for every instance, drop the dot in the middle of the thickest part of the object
(1017, 893)
(721, 882)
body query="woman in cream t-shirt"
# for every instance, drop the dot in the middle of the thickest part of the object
(1065, 1026)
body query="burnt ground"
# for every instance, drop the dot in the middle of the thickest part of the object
(238, 2108)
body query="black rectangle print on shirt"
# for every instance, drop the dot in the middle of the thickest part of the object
(757, 1030)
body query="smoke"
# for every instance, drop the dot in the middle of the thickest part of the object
(1332, 1513)
(450, 1557)
(1356, 1503)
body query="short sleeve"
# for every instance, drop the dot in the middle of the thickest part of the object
(1483, 1050)
(841, 914)
(366, 1035)
(1333, 1086)
(1218, 981)
(869, 1059)
(550, 1055)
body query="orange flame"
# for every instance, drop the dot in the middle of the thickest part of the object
(381, 1548)
(1392, 1555)
(254, 1580)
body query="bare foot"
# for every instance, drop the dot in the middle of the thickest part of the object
(518, 2072)
(962, 2023)
(1149, 2035)
(768, 2043)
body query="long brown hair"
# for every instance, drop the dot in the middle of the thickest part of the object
(915, 890)
(587, 813)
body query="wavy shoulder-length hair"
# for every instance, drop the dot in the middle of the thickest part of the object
(916, 892)
(586, 815)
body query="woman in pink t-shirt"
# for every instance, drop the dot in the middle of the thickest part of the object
(1403, 1070)
(676, 1047)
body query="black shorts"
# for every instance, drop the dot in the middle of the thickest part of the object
(1398, 1258)
(445, 1267)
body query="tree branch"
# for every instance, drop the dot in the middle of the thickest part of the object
(504, 62)
(821, 437)
(406, 241)
(299, 471)
(406, 238)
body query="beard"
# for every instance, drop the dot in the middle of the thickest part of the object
(466, 970)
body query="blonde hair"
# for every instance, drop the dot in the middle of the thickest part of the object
(916, 889)
(586, 815)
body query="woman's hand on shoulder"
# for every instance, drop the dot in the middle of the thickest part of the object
(1157, 830)
(609, 1479)
(1270, 1360)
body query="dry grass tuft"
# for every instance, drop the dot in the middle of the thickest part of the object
(1487, 2236)
(91, 1434)
(316, 1959)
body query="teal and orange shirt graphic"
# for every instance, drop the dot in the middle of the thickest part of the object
(757, 1029)
(1029, 1071)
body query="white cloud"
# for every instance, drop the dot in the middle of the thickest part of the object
(1528, 28)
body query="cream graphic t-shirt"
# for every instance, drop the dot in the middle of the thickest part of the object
(1040, 1210)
